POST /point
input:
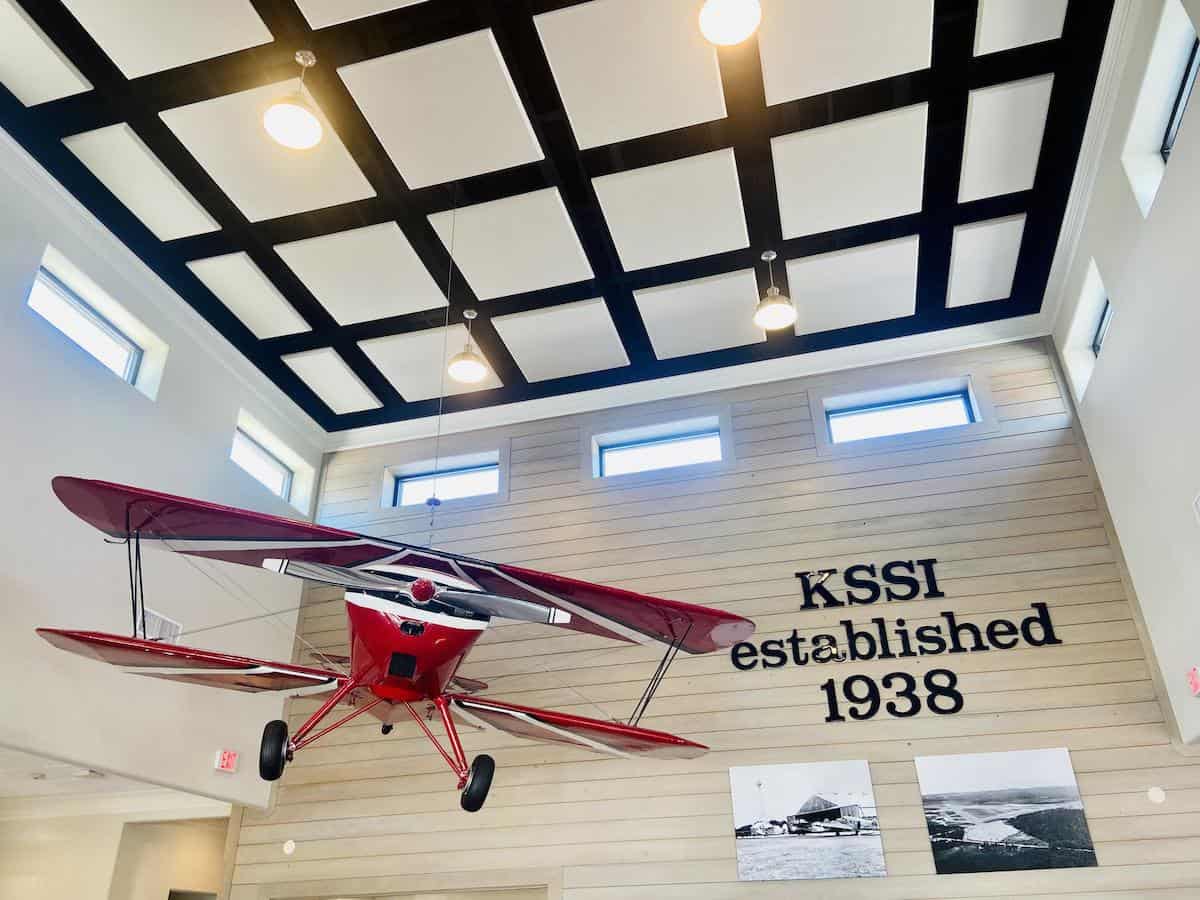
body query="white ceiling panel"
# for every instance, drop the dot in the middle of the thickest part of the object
(415, 363)
(851, 172)
(817, 46)
(705, 314)
(673, 211)
(144, 36)
(444, 111)
(138, 179)
(363, 274)
(1004, 137)
(30, 65)
(263, 178)
(1003, 24)
(563, 340)
(323, 13)
(983, 260)
(332, 380)
(241, 285)
(628, 68)
(514, 245)
(855, 286)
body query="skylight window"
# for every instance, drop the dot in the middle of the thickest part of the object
(447, 484)
(662, 452)
(63, 308)
(900, 417)
(262, 464)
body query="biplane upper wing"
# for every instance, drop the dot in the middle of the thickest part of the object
(614, 738)
(334, 556)
(174, 663)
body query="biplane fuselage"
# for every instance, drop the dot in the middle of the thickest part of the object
(405, 654)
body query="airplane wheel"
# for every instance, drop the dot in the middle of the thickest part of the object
(272, 756)
(478, 782)
(385, 729)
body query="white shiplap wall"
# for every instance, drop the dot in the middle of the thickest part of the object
(1013, 516)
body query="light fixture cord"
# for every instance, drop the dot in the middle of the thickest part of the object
(433, 501)
(771, 271)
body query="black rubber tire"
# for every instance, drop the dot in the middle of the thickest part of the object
(386, 729)
(478, 782)
(272, 756)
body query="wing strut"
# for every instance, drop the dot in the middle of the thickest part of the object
(657, 677)
(137, 587)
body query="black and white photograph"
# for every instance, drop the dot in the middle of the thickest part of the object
(806, 820)
(997, 812)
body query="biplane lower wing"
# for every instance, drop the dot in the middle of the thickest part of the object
(614, 738)
(194, 666)
(334, 556)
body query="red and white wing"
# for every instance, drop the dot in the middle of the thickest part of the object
(158, 660)
(333, 556)
(613, 738)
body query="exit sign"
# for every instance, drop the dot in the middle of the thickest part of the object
(1194, 680)
(226, 761)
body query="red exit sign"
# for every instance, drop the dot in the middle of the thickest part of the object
(226, 761)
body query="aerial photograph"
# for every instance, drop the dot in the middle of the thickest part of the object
(995, 812)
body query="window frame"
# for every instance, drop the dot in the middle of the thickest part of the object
(398, 481)
(963, 395)
(1102, 326)
(289, 481)
(1182, 97)
(603, 449)
(94, 317)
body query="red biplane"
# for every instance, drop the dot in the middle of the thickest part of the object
(413, 615)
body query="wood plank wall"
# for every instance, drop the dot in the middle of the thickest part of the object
(1013, 517)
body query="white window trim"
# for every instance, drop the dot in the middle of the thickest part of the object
(423, 463)
(154, 349)
(1141, 156)
(1078, 359)
(615, 427)
(304, 474)
(899, 381)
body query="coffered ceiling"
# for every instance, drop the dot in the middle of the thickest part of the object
(603, 178)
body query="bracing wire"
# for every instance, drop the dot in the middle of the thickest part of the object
(433, 502)
(233, 590)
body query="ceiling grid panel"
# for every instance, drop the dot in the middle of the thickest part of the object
(723, 109)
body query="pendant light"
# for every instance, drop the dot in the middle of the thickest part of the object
(729, 22)
(467, 366)
(292, 119)
(775, 310)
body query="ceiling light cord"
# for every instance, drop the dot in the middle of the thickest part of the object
(432, 501)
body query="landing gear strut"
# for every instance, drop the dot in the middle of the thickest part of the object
(277, 748)
(475, 781)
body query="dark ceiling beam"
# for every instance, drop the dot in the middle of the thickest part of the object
(521, 48)
(290, 27)
(746, 111)
(1074, 60)
(953, 45)
(335, 46)
(733, 356)
(1085, 29)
